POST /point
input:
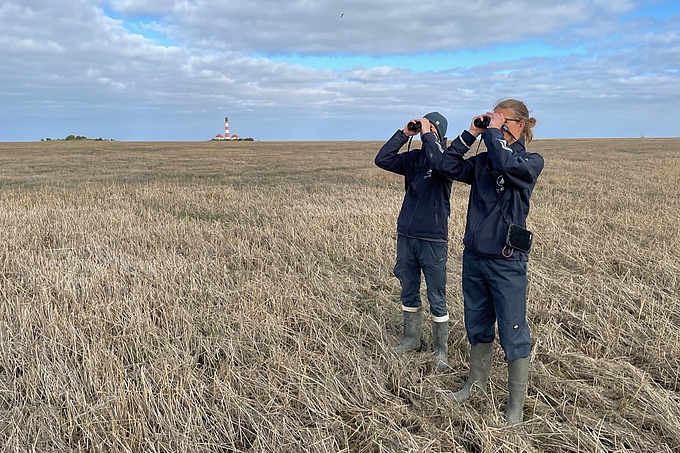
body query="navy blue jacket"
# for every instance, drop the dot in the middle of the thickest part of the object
(425, 210)
(504, 174)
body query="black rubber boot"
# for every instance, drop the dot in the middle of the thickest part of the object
(413, 330)
(518, 378)
(481, 358)
(440, 338)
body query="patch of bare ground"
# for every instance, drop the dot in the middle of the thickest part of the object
(234, 297)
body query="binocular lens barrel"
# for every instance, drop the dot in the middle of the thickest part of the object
(482, 123)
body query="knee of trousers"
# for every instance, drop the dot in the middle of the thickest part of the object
(436, 293)
(409, 279)
(515, 339)
(478, 333)
(480, 324)
(410, 298)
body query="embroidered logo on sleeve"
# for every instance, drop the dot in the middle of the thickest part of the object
(500, 184)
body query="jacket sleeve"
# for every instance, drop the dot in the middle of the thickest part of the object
(519, 169)
(388, 157)
(452, 164)
(434, 151)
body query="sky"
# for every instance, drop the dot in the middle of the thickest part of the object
(334, 70)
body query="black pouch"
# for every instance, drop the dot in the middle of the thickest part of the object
(519, 238)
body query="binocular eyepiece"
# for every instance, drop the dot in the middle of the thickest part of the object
(414, 126)
(482, 122)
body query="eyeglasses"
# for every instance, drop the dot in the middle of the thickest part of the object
(505, 128)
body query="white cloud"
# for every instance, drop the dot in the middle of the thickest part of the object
(69, 62)
(372, 28)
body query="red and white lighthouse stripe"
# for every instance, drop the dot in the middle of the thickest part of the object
(226, 127)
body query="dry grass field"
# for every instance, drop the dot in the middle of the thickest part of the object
(239, 296)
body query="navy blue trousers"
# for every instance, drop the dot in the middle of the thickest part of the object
(413, 257)
(495, 290)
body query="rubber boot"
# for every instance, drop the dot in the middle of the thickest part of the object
(440, 338)
(481, 358)
(413, 330)
(518, 377)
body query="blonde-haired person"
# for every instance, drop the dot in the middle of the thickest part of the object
(494, 273)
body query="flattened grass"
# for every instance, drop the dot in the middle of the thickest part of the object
(239, 297)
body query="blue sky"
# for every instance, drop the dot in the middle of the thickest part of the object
(430, 61)
(344, 70)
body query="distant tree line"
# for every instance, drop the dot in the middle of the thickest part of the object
(76, 137)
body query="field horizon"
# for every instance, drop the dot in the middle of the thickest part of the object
(107, 140)
(239, 296)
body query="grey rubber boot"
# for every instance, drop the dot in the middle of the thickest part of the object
(440, 338)
(413, 330)
(518, 378)
(481, 358)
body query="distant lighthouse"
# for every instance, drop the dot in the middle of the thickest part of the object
(226, 127)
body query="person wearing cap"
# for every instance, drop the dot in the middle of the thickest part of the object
(422, 231)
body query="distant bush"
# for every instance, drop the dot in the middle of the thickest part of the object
(79, 137)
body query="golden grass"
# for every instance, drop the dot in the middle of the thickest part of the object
(230, 297)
